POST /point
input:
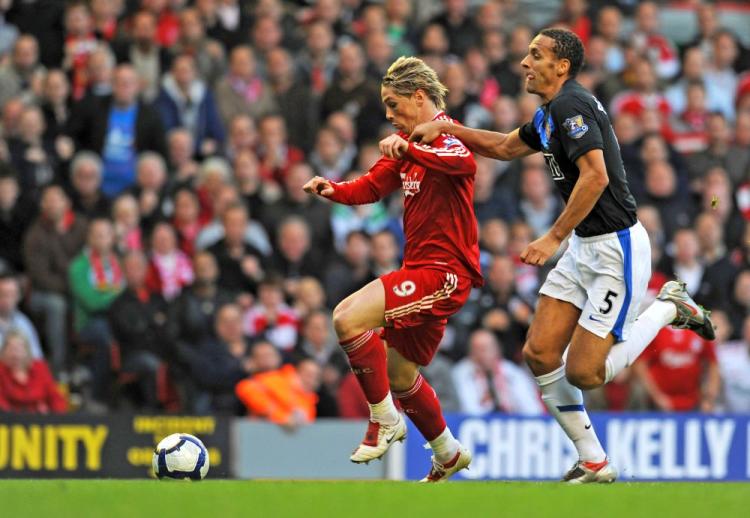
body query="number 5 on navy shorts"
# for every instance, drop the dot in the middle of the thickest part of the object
(606, 278)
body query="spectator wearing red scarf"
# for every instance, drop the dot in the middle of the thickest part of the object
(26, 385)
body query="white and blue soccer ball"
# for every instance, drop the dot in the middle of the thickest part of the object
(180, 456)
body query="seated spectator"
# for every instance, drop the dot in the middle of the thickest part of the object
(80, 42)
(32, 155)
(295, 257)
(664, 192)
(488, 383)
(351, 90)
(219, 363)
(182, 167)
(738, 305)
(86, 180)
(328, 158)
(255, 192)
(254, 233)
(243, 136)
(501, 310)
(142, 50)
(295, 201)
(686, 263)
(491, 201)
(169, 268)
(734, 365)
(308, 297)
(241, 265)
(242, 89)
(50, 245)
(56, 106)
(127, 224)
(719, 272)
(270, 318)
(96, 280)
(16, 215)
(12, 319)
(275, 155)
(459, 102)
(99, 68)
(318, 343)
(386, 253)
(192, 312)
(680, 372)
(22, 72)
(538, 206)
(351, 271)
(185, 100)
(187, 220)
(296, 102)
(118, 127)
(285, 396)
(138, 319)
(150, 189)
(192, 40)
(26, 384)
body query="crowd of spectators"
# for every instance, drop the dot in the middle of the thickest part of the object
(158, 253)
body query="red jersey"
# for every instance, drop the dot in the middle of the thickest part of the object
(438, 186)
(675, 361)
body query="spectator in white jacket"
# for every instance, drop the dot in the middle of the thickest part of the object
(486, 382)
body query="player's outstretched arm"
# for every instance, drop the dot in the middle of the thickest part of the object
(320, 186)
(501, 146)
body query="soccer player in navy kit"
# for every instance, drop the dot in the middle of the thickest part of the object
(590, 300)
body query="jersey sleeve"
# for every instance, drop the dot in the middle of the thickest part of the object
(530, 137)
(381, 180)
(447, 155)
(577, 125)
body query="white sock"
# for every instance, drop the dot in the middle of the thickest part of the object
(444, 446)
(565, 403)
(643, 331)
(384, 412)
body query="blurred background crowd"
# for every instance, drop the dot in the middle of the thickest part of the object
(157, 252)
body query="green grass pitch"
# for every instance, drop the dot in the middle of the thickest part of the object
(213, 498)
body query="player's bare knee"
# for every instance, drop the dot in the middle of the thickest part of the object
(539, 360)
(343, 321)
(584, 379)
(401, 378)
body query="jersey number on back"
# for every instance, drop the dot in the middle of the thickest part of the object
(557, 173)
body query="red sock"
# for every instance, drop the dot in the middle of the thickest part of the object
(367, 357)
(422, 406)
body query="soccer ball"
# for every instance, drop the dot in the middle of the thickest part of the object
(181, 456)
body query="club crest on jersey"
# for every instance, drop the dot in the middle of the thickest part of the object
(410, 183)
(575, 126)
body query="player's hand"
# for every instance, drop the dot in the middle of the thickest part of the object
(538, 252)
(427, 132)
(393, 146)
(320, 186)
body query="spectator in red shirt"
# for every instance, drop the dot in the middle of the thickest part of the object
(271, 318)
(80, 42)
(644, 96)
(672, 369)
(26, 385)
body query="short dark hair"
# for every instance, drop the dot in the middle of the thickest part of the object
(567, 46)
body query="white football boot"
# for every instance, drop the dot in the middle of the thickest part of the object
(442, 472)
(689, 314)
(584, 472)
(378, 439)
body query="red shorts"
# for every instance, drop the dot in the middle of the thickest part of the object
(417, 306)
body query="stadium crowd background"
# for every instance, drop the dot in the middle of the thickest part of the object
(157, 252)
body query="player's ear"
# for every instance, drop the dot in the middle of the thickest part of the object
(419, 97)
(563, 67)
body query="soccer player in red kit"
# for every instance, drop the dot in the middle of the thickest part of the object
(441, 265)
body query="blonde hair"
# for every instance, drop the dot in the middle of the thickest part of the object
(21, 337)
(408, 74)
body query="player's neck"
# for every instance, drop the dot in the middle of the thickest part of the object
(554, 91)
(428, 112)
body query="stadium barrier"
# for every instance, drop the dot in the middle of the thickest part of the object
(649, 447)
(644, 447)
(120, 446)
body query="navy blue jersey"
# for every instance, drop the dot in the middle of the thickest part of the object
(570, 125)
